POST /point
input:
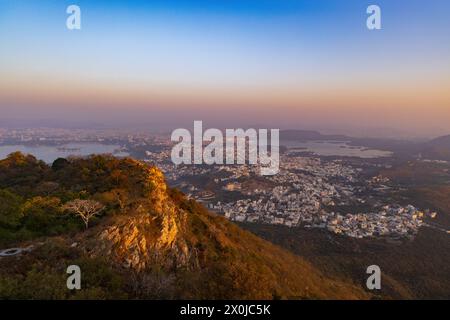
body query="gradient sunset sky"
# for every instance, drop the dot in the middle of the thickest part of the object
(308, 64)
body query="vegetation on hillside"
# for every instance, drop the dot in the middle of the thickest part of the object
(416, 268)
(147, 241)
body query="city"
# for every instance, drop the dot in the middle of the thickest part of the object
(308, 192)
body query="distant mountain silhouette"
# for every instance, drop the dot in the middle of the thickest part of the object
(308, 135)
(437, 149)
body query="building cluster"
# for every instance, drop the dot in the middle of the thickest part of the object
(299, 192)
(309, 191)
(303, 197)
(390, 220)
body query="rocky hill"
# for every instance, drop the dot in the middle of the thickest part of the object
(148, 242)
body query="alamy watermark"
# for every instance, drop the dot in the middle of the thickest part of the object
(73, 21)
(74, 280)
(235, 147)
(374, 20)
(374, 280)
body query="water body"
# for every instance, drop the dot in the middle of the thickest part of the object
(335, 148)
(51, 153)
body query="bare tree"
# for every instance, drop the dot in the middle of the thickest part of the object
(86, 209)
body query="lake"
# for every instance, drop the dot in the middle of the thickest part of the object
(335, 148)
(51, 153)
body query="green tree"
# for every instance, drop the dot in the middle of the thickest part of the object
(42, 215)
(10, 213)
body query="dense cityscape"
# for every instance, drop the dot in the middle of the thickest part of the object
(309, 191)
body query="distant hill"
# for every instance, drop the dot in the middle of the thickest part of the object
(308, 135)
(149, 242)
(437, 149)
(401, 148)
(443, 141)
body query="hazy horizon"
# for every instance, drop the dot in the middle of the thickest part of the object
(309, 65)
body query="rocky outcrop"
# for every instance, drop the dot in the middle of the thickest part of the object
(152, 234)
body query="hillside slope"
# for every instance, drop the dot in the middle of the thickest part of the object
(148, 242)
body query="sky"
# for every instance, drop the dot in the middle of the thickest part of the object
(306, 64)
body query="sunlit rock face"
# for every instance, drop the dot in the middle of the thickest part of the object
(150, 234)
